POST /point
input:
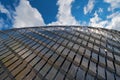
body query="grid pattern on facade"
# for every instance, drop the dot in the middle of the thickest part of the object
(59, 53)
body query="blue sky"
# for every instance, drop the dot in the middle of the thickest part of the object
(29, 13)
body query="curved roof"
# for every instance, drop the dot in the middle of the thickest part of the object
(57, 53)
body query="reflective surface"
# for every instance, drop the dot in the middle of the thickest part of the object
(57, 53)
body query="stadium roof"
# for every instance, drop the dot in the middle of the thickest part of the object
(58, 52)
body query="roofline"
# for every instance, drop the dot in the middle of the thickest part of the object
(60, 26)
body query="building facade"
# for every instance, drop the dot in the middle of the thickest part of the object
(60, 53)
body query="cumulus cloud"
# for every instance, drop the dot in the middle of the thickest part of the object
(3, 21)
(27, 16)
(113, 4)
(89, 7)
(114, 21)
(4, 10)
(96, 21)
(64, 16)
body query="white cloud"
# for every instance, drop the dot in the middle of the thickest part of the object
(96, 21)
(113, 4)
(27, 16)
(113, 15)
(100, 10)
(2, 21)
(64, 16)
(114, 23)
(89, 7)
(4, 10)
